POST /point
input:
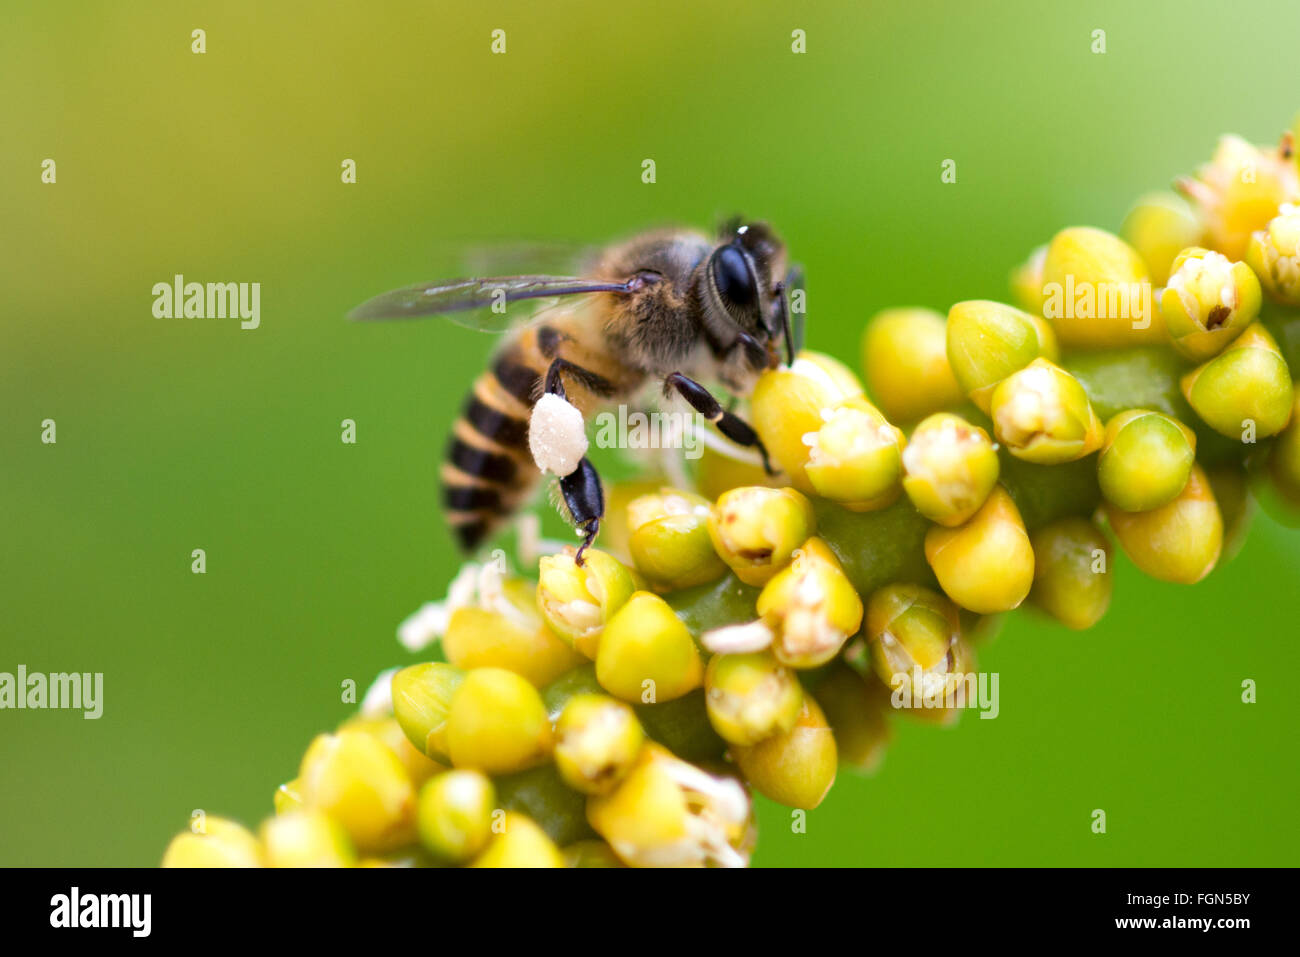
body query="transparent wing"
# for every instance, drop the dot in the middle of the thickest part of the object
(520, 257)
(481, 304)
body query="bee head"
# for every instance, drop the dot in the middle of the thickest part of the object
(741, 284)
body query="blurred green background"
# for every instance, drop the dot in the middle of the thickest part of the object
(175, 435)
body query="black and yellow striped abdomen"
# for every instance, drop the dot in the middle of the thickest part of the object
(488, 471)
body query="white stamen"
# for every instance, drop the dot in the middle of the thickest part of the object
(424, 627)
(475, 586)
(378, 699)
(738, 639)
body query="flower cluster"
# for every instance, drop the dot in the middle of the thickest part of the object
(736, 632)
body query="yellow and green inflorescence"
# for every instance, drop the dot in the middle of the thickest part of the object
(739, 633)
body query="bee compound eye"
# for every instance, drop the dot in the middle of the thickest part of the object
(732, 275)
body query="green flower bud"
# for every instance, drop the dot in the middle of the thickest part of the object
(1244, 392)
(1097, 291)
(796, 767)
(668, 813)
(577, 600)
(751, 696)
(1145, 459)
(1041, 414)
(1072, 573)
(309, 838)
(1159, 227)
(756, 530)
(614, 530)
(987, 564)
(497, 723)
(669, 539)
(519, 843)
(220, 843)
(454, 815)
(987, 341)
(646, 654)
(810, 608)
(905, 358)
(855, 458)
(950, 468)
(1274, 253)
(421, 700)
(1179, 542)
(1208, 302)
(597, 740)
(910, 628)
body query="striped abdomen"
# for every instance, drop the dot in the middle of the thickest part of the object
(488, 471)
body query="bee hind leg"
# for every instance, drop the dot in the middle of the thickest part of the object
(585, 501)
(728, 423)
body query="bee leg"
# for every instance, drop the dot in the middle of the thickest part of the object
(794, 282)
(790, 323)
(595, 384)
(586, 502)
(728, 423)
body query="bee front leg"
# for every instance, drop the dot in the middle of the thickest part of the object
(728, 423)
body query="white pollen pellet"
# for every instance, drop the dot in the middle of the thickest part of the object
(557, 435)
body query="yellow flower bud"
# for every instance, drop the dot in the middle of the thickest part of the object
(796, 767)
(1097, 291)
(646, 654)
(519, 641)
(497, 723)
(986, 565)
(855, 458)
(1042, 415)
(576, 600)
(788, 403)
(360, 783)
(905, 357)
(1179, 542)
(308, 838)
(219, 843)
(668, 813)
(1208, 302)
(756, 530)
(520, 843)
(811, 607)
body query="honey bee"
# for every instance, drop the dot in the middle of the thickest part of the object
(669, 307)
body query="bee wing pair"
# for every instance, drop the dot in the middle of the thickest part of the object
(478, 303)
